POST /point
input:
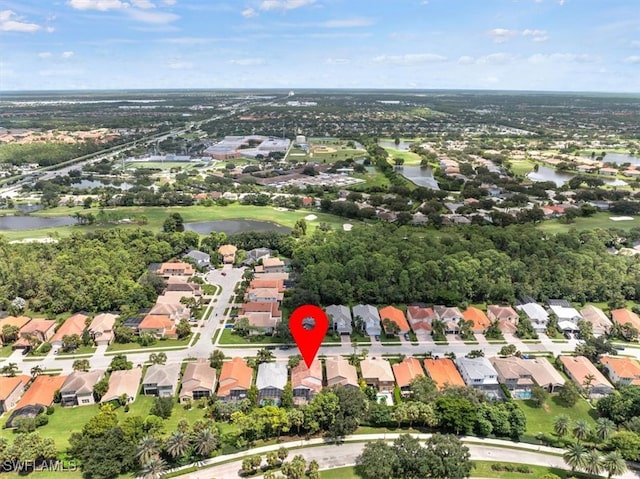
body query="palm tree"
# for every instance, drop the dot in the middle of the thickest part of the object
(9, 370)
(587, 383)
(561, 425)
(154, 468)
(581, 430)
(36, 371)
(147, 449)
(594, 462)
(604, 428)
(177, 444)
(206, 442)
(264, 356)
(614, 464)
(575, 456)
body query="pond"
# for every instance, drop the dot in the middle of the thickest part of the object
(403, 145)
(419, 176)
(18, 223)
(235, 226)
(620, 158)
(545, 173)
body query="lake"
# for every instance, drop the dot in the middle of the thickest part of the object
(419, 176)
(545, 173)
(18, 223)
(234, 226)
(620, 158)
(403, 145)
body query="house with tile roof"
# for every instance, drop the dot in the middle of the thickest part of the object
(17, 322)
(38, 329)
(199, 258)
(406, 371)
(176, 311)
(101, 328)
(198, 381)
(516, 377)
(600, 323)
(160, 326)
(273, 308)
(536, 314)
(624, 317)
(341, 373)
(183, 285)
(480, 320)
(306, 381)
(480, 374)
(496, 312)
(396, 316)
(270, 381)
(444, 373)
(77, 389)
(235, 380)
(369, 314)
(273, 265)
(264, 295)
(267, 283)
(179, 268)
(586, 376)
(228, 253)
(421, 318)
(377, 373)
(621, 370)
(450, 316)
(123, 383)
(161, 380)
(543, 373)
(73, 325)
(41, 391)
(339, 318)
(11, 390)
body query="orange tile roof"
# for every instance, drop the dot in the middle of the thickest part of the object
(8, 385)
(227, 250)
(41, 391)
(624, 316)
(234, 373)
(38, 325)
(417, 312)
(302, 376)
(480, 320)
(443, 372)
(395, 315)
(626, 368)
(262, 307)
(268, 283)
(19, 321)
(156, 321)
(73, 325)
(579, 367)
(407, 371)
(185, 268)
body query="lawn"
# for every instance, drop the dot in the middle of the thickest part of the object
(230, 338)
(191, 214)
(5, 351)
(541, 419)
(483, 469)
(409, 157)
(376, 179)
(599, 220)
(80, 350)
(158, 345)
(521, 167)
(340, 473)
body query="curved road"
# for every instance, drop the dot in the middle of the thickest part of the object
(330, 457)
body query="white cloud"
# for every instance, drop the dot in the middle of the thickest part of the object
(540, 39)
(249, 12)
(410, 58)
(632, 59)
(466, 60)
(284, 4)
(501, 35)
(45, 54)
(67, 54)
(496, 59)
(144, 4)
(337, 61)
(169, 2)
(10, 22)
(152, 17)
(533, 33)
(50, 29)
(247, 62)
(180, 65)
(102, 5)
(561, 58)
(348, 23)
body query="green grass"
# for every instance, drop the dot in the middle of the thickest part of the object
(599, 220)
(197, 213)
(80, 350)
(409, 157)
(483, 469)
(541, 419)
(229, 338)
(384, 339)
(340, 473)
(158, 345)
(5, 351)
(521, 167)
(376, 179)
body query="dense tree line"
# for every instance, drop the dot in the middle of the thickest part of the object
(383, 264)
(97, 271)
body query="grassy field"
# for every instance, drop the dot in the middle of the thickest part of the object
(599, 220)
(229, 338)
(409, 157)
(521, 167)
(541, 419)
(156, 216)
(5, 351)
(371, 179)
(165, 343)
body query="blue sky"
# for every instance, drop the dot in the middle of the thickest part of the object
(561, 45)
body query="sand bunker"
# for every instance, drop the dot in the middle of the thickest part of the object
(311, 217)
(621, 218)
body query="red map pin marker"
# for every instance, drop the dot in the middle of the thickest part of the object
(308, 325)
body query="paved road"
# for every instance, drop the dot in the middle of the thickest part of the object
(332, 456)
